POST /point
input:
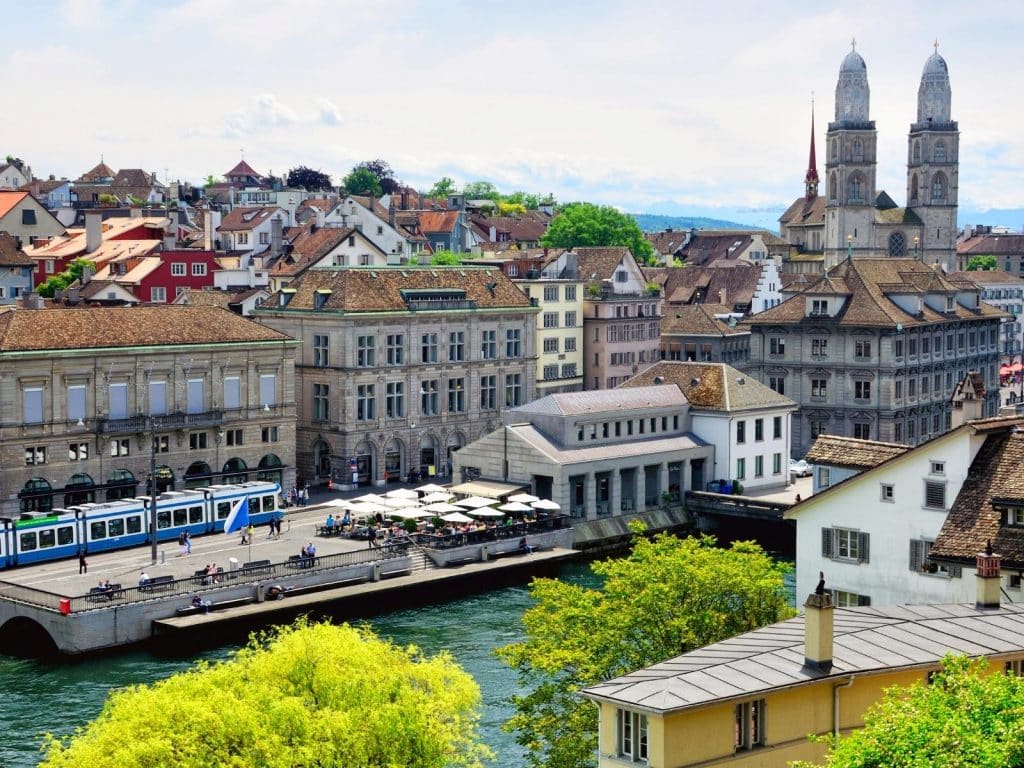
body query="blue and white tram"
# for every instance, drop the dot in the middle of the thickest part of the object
(99, 527)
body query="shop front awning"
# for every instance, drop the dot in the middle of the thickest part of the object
(491, 489)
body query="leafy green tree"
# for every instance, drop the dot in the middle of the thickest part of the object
(982, 263)
(444, 258)
(361, 181)
(307, 695)
(62, 280)
(308, 179)
(586, 224)
(669, 596)
(209, 181)
(965, 717)
(481, 190)
(383, 173)
(442, 188)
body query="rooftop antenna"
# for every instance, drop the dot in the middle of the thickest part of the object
(853, 44)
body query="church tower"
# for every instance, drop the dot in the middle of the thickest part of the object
(850, 166)
(811, 178)
(933, 161)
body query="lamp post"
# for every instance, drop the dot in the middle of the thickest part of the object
(152, 488)
(849, 247)
(917, 247)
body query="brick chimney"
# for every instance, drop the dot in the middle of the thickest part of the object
(723, 294)
(818, 629)
(987, 583)
(93, 230)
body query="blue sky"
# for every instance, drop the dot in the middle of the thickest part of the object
(668, 107)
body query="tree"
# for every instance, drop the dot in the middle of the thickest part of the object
(667, 597)
(209, 181)
(307, 695)
(982, 263)
(361, 181)
(481, 190)
(445, 258)
(62, 280)
(308, 179)
(442, 188)
(964, 717)
(585, 224)
(383, 173)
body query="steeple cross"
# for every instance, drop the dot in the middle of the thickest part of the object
(853, 44)
(936, 45)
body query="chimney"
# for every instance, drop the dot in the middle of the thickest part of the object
(405, 200)
(169, 242)
(31, 300)
(391, 214)
(987, 578)
(87, 274)
(373, 203)
(818, 631)
(135, 212)
(722, 295)
(276, 236)
(320, 218)
(93, 230)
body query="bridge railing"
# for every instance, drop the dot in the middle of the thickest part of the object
(30, 595)
(496, 533)
(742, 506)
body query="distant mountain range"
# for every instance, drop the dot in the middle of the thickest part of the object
(653, 222)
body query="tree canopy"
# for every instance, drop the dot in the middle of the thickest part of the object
(964, 717)
(982, 263)
(62, 280)
(307, 695)
(481, 190)
(667, 597)
(445, 258)
(308, 179)
(586, 224)
(371, 177)
(442, 188)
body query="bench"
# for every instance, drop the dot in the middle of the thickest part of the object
(256, 566)
(323, 530)
(322, 587)
(506, 553)
(202, 578)
(460, 561)
(189, 610)
(298, 561)
(104, 594)
(157, 583)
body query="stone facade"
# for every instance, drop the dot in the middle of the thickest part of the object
(415, 371)
(77, 418)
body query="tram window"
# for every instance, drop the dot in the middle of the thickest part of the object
(65, 535)
(180, 517)
(47, 538)
(115, 527)
(268, 503)
(134, 524)
(223, 509)
(163, 519)
(98, 530)
(28, 541)
(195, 515)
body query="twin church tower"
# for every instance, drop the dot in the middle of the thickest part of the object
(859, 220)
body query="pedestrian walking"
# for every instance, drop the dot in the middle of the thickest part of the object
(188, 543)
(83, 567)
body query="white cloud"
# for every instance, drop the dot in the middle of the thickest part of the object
(329, 114)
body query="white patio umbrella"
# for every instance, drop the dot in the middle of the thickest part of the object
(485, 512)
(343, 503)
(456, 517)
(398, 503)
(440, 507)
(476, 501)
(524, 498)
(431, 488)
(515, 506)
(370, 497)
(366, 509)
(402, 493)
(410, 512)
(547, 504)
(430, 498)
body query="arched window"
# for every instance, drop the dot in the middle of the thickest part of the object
(834, 150)
(940, 151)
(270, 469)
(81, 490)
(897, 244)
(832, 186)
(855, 188)
(198, 474)
(36, 496)
(121, 485)
(913, 188)
(917, 151)
(858, 150)
(938, 187)
(235, 465)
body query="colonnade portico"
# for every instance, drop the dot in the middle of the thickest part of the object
(632, 480)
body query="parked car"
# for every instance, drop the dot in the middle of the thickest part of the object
(800, 468)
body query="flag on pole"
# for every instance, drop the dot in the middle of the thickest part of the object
(239, 516)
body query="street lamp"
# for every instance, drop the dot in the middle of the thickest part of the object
(917, 247)
(849, 246)
(152, 488)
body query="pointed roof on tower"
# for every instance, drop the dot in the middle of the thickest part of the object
(811, 179)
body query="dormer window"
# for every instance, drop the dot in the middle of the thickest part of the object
(949, 303)
(1015, 516)
(819, 306)
(320, 297)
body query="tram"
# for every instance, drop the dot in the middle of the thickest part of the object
(100, 527)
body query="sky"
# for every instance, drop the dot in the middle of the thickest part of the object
(689, 108)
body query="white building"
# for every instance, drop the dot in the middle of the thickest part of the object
(375, 222)
(1005, 291)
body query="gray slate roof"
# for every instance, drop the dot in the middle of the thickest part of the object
(641, 447)
(771, 658)
(604, 400)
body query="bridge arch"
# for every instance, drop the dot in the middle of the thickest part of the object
(26, 638)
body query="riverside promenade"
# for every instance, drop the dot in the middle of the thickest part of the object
(48, 608)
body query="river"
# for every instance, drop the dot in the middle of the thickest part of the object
(58, 698)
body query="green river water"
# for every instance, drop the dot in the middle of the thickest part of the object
(36, 698)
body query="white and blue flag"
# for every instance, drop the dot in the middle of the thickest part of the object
(239, 516)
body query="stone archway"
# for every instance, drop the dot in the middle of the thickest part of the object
(321, 459)
(455, 440)
(235, 470)
(429, 454)
(394, 461)
(366, 463)
(26, 638)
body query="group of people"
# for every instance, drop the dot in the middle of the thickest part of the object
(338, 524)
(185, 542)
(212, 573)
(308, 552)
(247, 533)
(298, 497)
(275, 527)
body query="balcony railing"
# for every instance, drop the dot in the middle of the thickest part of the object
(420, 305)
(136, 424)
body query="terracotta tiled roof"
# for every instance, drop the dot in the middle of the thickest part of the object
(9, 199)
(42, 186)
(134, 177)
(97, 327)
(698, 320)
(668, 241)
(988, 277)
(377, 209)
(706, 247)
(868, 282)
(994, 245)
(897, 216)
(365, 289)
(101, 171)
(243, 169)
(11, 255)
(529, 227)
(804, 212)
(309, 247)
(596, 264)
(711, 386)
(437, 221)
(836, 451)
(243, 219)
(686, 285)
(995, 475)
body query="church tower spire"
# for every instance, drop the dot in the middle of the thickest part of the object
(811, 179)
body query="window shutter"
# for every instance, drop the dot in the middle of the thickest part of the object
(916, 554)
(232, 392)
(32, 405)
(935, 495)
(118, 401)
(863, 600)
(865, 553)
(195, 395)
(76, 402)
(827, 543)
(268, 389)
(157, 398)
(955, 571)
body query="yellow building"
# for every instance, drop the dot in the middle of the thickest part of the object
(753, 700)
(559, 294)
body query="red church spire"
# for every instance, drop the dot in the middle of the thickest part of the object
(811, 179)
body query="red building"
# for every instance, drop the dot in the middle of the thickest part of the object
(160, 277)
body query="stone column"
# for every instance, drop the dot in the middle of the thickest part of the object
(685, 481)
(590, 493)
(639, 488)
(615, 492)
(662, 480)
